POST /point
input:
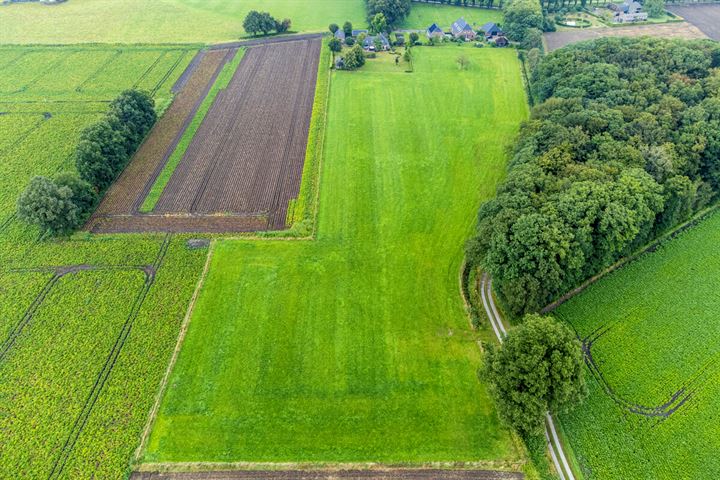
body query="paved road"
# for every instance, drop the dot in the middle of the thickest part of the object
(554, 445)
(390, 474)
(683, 30)
(704, 17)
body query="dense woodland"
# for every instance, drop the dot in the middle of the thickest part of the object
(623, 145)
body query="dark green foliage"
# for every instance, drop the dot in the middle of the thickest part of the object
(347, 29)
(349, 41)
(262, 22)
(84, 195)
(414, 37)
(133, 114)
(283, 26)
(48, 206)
(537, 369)
(355, 58)
(524, 22)
(333, 28)
(101, 153)
(393, 10)
(625, 145)
(335, 45)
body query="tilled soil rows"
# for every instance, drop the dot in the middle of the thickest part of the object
(247, 156)
(390, 474)
(244, 164)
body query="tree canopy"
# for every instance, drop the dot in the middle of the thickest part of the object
(523, 22)
(538, 369)
(624, 144)
(394, 11)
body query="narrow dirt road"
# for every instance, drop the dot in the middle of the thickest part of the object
(554, 444)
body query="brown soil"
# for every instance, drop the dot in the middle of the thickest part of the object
(245, 162)
(682, 30)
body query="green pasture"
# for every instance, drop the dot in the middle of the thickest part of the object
(422, 15)
(163, 21)
(81, 356)
(662, 334)
(355, 346)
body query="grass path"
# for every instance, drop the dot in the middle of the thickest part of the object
(355, 347)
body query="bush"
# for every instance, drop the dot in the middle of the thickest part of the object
(48, 206)
(537, 369)
(355, 58)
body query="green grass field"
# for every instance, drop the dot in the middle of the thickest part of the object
(163, 21)
(422, 15)
(82, 352)
(661, 339)
(356, 346)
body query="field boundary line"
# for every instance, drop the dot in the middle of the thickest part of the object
(152, 415)
(648, 248)
(179, 467)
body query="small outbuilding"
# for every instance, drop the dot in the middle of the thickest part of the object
(434, 31)
(500, 41)
(491, 30)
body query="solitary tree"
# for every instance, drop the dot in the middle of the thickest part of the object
(333, 28)
(252, 22)
(347, 29)
(355, 58)
(463, 62)
(48, 206)
(539, 368)
(284, 26)
(378, 24)
(335, 46)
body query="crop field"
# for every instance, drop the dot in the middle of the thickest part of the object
(228, 155)
(355, 346)
(87, 325)
(422, 15)
(163, 21)
(651, 337)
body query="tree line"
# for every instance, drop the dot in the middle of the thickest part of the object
(262, 22)
(60, 204)
(623, 145)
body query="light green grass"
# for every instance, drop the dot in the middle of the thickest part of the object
(355, 346)
(662, 311)
(163, 21)
(423, 15)
(49, 372)
(221, 82)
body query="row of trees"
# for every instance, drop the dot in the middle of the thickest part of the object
(524, 21)
(59, 205)
(262, 22)
(624, 145)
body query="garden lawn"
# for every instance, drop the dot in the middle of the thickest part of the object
(82, 352)
(663, 338)
(422, 15)
(355, 346)
(163, 21)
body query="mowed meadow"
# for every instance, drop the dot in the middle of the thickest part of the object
(653, 412)
(163, 21)
(355, 346)
(88, 324)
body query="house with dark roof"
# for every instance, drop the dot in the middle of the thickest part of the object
(629, 12)
(491, 30)
(434, 31)
(369, 43)
(461, 29)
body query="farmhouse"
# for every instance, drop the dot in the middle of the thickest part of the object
(461, 29)
(435, 32)
(491, 30)
(369, 43)
(628, 12)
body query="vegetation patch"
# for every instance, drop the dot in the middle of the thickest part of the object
(323, 350)
(649, 333)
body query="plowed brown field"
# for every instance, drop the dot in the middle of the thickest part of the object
(244, 163)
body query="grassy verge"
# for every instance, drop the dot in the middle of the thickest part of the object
(161, 182)
(301, 211)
